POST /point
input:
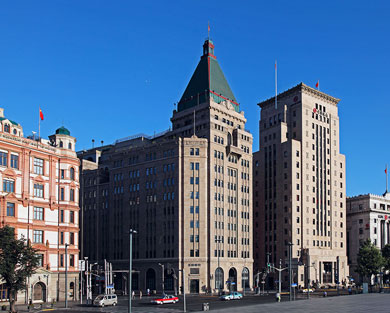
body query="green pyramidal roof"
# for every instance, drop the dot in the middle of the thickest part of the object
(207, 81)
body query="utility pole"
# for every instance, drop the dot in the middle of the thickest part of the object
(66, 275)
(162, 278)
(86, 278)
(131, 232)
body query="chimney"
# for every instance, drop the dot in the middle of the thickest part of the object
(1, 112)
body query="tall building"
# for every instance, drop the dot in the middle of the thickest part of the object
(368, 217)
(187, 191)
(299, 187)
(39, 199)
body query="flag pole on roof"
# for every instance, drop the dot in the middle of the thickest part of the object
(386, 177)
(276, 85)
(318, 85)
(208, 30)
(39, 123)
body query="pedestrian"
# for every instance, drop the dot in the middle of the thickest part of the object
(277, 297)
(133, 295)
(148, 292)
(140, 294)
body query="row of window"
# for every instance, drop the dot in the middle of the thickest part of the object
(4, 160)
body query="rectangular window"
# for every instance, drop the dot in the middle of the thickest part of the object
(3, 158)
(71, 240)
(71, 216)
(62, 238)
(10, 209)
(62, 194)
(40, 260)
(38, 190)
(72, 195)
(38, 236)
(38, 213)
(62, 216)
(62, 174)
(62, 260)
(14, 161)
(38, 166)
(8, 185)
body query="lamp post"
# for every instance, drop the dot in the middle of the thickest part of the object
(219, 269)
(162, 277)
(66, 275)
(184, 291)
(289, 268)
(131, 232)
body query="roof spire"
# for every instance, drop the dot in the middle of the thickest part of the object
(208, 49)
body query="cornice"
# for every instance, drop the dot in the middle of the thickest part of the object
(304, 89)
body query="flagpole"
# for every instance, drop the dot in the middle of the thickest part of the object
(276, 85)
(386, 178)
(39, 124)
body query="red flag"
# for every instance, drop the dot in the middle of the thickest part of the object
(41, 114)
(386, 170)
(318, 84)
(209, 27)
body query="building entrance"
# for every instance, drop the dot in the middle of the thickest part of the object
(39, 293)
(194, 286)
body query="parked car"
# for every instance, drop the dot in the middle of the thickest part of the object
(166, 299)
(310, 290)
(231, 296)
(103, 300)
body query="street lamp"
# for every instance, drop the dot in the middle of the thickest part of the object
(131, 232)
(66, 275)
(162, 275)
(219, 269)
(289, 267)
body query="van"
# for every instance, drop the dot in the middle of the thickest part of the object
(103, 300)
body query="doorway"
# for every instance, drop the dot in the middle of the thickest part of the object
(194, 286)
(39, 293)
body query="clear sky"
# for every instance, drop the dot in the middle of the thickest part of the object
(110, 69)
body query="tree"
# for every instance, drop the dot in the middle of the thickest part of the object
(18, 261)
(369, 260)
(386, 257)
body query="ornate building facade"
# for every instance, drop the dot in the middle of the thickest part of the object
(39, 199)
(187, 192)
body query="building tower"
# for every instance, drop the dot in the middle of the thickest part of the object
(186, 191)
(299, 179)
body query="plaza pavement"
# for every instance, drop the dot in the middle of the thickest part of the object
(373, 302)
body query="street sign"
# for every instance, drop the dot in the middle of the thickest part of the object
(294, 285)
(110, 286)
(233, 283)
(81, 265)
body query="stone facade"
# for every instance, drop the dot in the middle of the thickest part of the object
(39, 199)
(187, 192)
(368, 217)
(299, 193)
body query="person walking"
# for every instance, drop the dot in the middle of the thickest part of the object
(133, 295)
(140, 294)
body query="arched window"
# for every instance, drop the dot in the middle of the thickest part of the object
(6, 128)
(219, 278)
(70, 146)
(61, 144)
(72, 173)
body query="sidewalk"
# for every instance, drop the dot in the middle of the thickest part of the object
(45, 306)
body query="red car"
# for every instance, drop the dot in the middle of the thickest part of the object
(166, 299)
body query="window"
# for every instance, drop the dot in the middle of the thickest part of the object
(8, 185)
(10, 209)
(72, 173)
(38, 166)
(71, 216)
(71, 240)
(197, 151)
(71, 260)
(72, 195)
(62, 216)
(38, 213)
(62, 195)
(3, 158)
(40, 260)
(62, 238)
(62, 260)
(38, 190)
(62, 174)
(38, 236)
(14, 161)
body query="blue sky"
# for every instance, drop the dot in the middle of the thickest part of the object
(110, 69)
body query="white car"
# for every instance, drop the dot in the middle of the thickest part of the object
(103, 300)
(166, 299)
